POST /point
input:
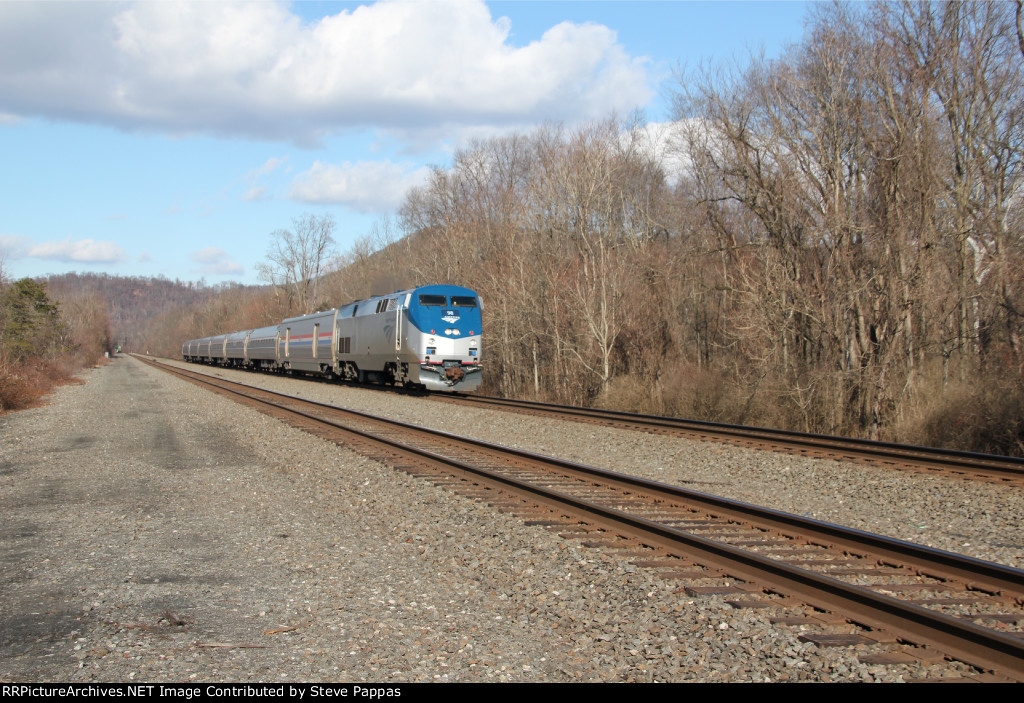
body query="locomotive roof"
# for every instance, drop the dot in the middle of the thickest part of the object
(434, 288)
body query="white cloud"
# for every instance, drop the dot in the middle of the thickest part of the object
(217, 262)
(82, 250)
(255, 193)
(255, 69)
(269, 166)
(14, 246)
(367, 186)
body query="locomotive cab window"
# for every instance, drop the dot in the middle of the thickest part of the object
(438, 300)
(463, 301)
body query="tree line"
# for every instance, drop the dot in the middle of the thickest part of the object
(44, 340)
(828, 241)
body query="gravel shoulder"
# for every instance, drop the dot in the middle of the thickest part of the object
(151, 531)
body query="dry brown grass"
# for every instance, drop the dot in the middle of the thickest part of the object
(986, 415)
(685, 390)
(26, 384)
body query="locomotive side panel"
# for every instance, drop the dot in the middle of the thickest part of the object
(376, 325)
(346, 342)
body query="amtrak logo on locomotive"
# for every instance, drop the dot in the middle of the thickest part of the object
(450, 317)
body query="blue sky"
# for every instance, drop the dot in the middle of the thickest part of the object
(172, 138)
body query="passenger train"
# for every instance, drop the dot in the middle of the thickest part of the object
(427, 337)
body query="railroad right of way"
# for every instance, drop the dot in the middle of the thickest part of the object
(153, 531)
(975, 519)
(765, 549)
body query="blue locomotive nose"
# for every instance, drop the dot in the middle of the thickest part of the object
(454, 315)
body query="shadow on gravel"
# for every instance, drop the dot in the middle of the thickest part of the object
(75, 443)
(17, 553)
(22, 635)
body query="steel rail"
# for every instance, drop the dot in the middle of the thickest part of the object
(974, 464)
(976, 573)
(973, 644)
(854, 448)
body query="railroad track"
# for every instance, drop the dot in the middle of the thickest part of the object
(974, 466)
(807, 572)
(967, 465)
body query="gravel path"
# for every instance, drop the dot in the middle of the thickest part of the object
(152, 531)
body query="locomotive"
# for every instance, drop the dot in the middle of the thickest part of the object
(426, 337)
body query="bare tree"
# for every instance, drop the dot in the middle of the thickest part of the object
(297, 258)
(1020, 32)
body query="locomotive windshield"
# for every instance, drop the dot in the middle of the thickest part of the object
(463, 301)
(438, 300)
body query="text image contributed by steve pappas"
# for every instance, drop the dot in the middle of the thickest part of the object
(364, 692)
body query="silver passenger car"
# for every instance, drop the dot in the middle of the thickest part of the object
(423, 337)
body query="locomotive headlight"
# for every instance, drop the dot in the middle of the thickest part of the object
(448, 331)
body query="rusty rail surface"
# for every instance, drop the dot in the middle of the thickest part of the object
(986, 467)
(780, 554)
(976, 466)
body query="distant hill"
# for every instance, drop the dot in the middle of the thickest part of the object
(132, 301)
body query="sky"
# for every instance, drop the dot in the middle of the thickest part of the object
(167, 138)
